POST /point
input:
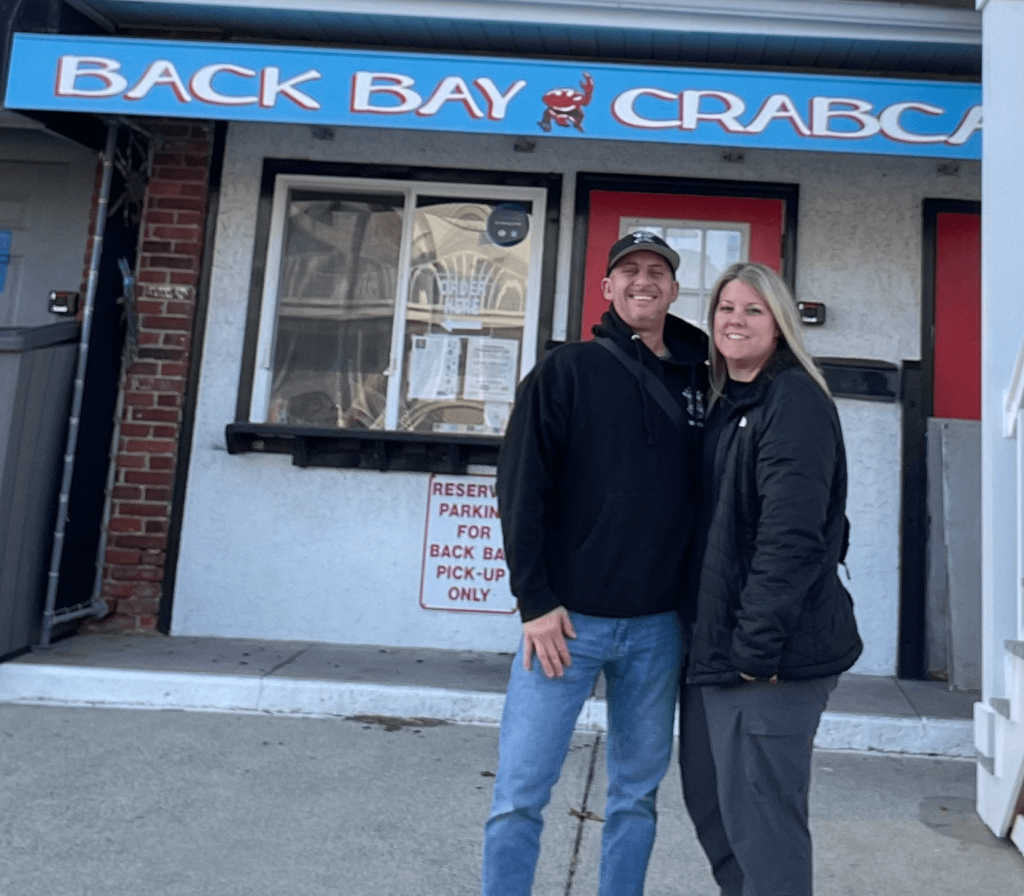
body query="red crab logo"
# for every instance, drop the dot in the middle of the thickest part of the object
(565, 105)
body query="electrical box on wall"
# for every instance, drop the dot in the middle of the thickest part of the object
(63, 302)
(812, 314)
(5, 256)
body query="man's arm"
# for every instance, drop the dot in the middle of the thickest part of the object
(528, 469)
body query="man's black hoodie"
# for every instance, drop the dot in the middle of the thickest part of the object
(598, 490)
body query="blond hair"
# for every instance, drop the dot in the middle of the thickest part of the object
(772, 288)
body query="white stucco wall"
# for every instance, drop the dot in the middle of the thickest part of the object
(269, 550)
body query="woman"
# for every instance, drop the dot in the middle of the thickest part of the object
(775, 625)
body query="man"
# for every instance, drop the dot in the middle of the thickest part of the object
(598, 497)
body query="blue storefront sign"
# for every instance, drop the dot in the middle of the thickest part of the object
(478, 95)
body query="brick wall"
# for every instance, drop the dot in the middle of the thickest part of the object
(167, 278)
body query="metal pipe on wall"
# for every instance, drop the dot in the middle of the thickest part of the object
(129, 354)
(93, 607)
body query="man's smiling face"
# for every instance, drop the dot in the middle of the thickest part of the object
(641, 287)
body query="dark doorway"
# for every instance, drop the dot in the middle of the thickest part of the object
(78, 565)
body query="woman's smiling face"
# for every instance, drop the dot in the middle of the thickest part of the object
(744, 330)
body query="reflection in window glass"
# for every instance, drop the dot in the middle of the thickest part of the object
(723, 248)
(395, 305)
(336, 302)
(465, 316)
(687, 242)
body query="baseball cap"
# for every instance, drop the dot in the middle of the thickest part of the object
(641, 241)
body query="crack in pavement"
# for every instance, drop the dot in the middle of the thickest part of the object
(583, 814)
(286, 661)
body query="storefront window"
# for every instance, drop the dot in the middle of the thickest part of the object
(706, 248)
(397, 306)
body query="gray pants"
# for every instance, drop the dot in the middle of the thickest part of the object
(745, 756)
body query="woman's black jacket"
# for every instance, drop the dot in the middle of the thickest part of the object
(770, 600)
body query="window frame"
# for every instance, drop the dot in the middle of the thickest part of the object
(411, 191)
(384, 450)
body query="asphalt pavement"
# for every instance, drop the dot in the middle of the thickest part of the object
(104, 801)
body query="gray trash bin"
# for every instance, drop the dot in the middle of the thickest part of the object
(37, 367)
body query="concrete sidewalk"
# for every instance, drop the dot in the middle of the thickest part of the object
(108, 802)
(328, 680)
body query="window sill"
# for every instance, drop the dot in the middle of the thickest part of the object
(364, 449)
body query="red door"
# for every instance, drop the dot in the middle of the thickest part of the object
(758, 222)
(957, 380)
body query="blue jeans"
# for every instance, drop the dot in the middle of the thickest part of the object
(641, 659)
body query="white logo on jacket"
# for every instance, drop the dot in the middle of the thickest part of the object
(694, 406)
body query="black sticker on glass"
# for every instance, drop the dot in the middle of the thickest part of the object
(508, 225)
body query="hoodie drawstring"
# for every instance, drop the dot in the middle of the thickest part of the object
(635, 338)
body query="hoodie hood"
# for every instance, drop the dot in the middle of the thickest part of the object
(687, 343)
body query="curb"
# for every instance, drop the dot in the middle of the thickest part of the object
(60, 685)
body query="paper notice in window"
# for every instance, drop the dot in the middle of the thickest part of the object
(434, 367)
(496, 415)
(490, 369)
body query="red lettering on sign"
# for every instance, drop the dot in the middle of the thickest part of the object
(468, 531)
(474, 594)
(463, 490)
(455, 551)
(476, 511)
(464, 529)
(464, 573)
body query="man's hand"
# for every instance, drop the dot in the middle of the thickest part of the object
(545, 636)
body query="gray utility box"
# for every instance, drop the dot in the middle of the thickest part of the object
(37, 366)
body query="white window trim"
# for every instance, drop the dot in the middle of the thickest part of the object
(284, 184)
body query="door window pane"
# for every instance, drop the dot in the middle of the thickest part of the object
(688, 242)
(723, 248)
